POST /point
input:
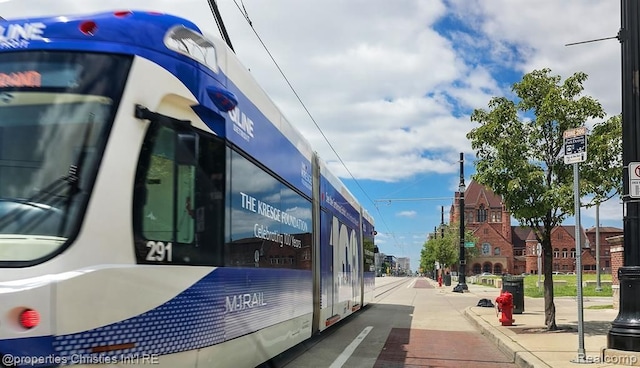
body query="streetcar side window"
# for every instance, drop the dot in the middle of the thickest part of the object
(179, 197)
(270, 223)
(167, 177)
(163, 212)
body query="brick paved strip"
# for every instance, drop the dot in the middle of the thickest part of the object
(423, 284)
(434, 348)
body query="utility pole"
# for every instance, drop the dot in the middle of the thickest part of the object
(625, 329)
(462, 284)
(442, 222)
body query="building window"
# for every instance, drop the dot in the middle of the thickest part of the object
(486, 267)
(556, 253)
(469, 217)
(496, 251)
(559, 235)
(556, 267)
(496, 216)
(486, 250)
(573, 252)
(482, 214)
(497, 269)
(486, 231)
(477, 269)
(564, 253)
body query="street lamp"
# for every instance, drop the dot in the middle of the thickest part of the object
(462, 285)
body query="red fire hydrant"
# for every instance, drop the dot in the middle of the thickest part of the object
(504, 302)
(440, 281)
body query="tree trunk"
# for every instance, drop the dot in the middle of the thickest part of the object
(549, 306)
(549, 310)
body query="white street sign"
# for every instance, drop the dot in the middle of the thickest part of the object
(575, 145)
(634, 179)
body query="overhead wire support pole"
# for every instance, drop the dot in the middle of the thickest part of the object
(462, 282)
(624, 334)
(223, 30)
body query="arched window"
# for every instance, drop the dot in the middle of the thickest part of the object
(486, 267)
(496, 251)
(573, 252)
(486, 250)
(556, 253)
(477, 269)
(565, 253)
(497, 269)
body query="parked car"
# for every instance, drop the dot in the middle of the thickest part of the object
(558, 273)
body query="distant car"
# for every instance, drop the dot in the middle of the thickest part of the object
(525, 274)
(570, 273)
(486, 274)
(558, 273)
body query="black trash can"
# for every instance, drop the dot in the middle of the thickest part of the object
(515, 285)
(447, 279)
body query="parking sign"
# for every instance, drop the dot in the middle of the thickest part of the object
(575, 145)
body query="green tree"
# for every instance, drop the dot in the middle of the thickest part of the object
(519, 146)
(444, 248)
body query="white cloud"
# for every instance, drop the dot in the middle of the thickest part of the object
(407, 214)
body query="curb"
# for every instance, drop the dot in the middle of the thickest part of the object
(520, 356)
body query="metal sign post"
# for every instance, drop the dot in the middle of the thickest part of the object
(575, 151)
(539, 254)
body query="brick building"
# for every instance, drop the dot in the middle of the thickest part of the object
(503, 248)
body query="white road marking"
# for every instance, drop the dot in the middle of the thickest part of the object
(346, 353)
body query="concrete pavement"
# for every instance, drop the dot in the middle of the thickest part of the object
(530, 345)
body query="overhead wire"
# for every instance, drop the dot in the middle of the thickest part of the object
(304, 106)
(245, 15)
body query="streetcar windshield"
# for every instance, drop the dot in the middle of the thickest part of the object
(56, 109)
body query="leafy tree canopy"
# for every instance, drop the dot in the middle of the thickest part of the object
(519, 146)
(444, 248)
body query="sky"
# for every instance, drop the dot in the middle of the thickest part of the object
(391, 85)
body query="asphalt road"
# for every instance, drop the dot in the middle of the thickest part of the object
(411, 324)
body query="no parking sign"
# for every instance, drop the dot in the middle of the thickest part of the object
(634, 179)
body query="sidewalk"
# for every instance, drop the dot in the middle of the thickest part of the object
(530, 345)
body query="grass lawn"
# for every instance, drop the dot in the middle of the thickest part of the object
(531, 290)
